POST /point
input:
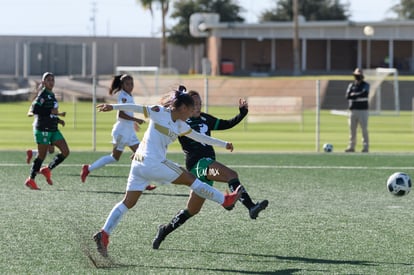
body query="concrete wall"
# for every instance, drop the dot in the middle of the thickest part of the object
(72, 55)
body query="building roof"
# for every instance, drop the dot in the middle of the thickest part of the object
(340, 30)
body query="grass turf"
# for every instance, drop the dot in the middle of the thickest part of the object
(388, 133)
(327, 214)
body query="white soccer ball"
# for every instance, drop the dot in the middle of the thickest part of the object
(327, 147)
(399, 184)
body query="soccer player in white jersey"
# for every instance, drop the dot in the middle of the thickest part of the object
(150, 162)
(123, 131)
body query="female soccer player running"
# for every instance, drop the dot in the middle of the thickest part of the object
(123, 131)
(46, 132)
(32, 153)
(150, 163)
(201, 162)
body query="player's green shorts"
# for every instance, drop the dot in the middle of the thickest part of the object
(47, 137)
(200, 170)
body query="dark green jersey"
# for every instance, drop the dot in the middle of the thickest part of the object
(42, 107)
(204, 124)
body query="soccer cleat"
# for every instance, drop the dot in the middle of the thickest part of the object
(231, 199)
(150, 187)
(349, 150)
(31, 184)
(84, 172)
(102, 241)
(29, 155)
(255, 210)
(45, 171)
(159, 237)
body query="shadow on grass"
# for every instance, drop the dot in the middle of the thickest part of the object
(300, 259)
(108, 263)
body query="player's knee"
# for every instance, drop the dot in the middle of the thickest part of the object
(116, 156)
(232, 174)
(192, 211)
(66, 153)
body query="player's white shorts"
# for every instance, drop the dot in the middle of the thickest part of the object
(143, 172)
(123, 135)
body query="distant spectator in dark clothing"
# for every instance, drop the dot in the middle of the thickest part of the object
(358, 97)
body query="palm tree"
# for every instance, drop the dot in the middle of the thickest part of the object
(148, 4)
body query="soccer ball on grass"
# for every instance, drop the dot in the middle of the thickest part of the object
(327, 147)
(399, 184)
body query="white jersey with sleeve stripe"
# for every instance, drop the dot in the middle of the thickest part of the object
(150, 163)
(162, 131)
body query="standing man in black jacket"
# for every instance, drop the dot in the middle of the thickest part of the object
(358, 96)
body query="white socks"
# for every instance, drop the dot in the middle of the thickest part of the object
(207, 192)
(114, 217)
(101, 162)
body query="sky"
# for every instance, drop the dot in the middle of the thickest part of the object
(127, 17)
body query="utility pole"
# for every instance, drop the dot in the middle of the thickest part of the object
(296, 52)
(93, 18)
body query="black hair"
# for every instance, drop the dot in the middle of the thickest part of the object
(177, 98)
(194, 93)
(117, 82)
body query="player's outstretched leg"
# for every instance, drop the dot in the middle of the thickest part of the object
(164, 229)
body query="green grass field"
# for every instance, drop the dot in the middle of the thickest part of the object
(388, 133)
(327, 214)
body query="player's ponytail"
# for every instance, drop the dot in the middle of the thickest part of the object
(177, 97)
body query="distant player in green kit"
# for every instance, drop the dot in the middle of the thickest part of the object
(46, 132)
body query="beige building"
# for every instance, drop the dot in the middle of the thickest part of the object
(323, 46)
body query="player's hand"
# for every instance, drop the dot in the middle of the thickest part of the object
(243, 103)
(229, 146)
(139, 121)
(104, 107)
(38, 86)
(62, 122)
(62, 114)
(136, 126)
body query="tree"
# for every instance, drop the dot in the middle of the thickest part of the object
(183, 9)
(312, 10)
(148, 4)
(180, 34)
(404, 9)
